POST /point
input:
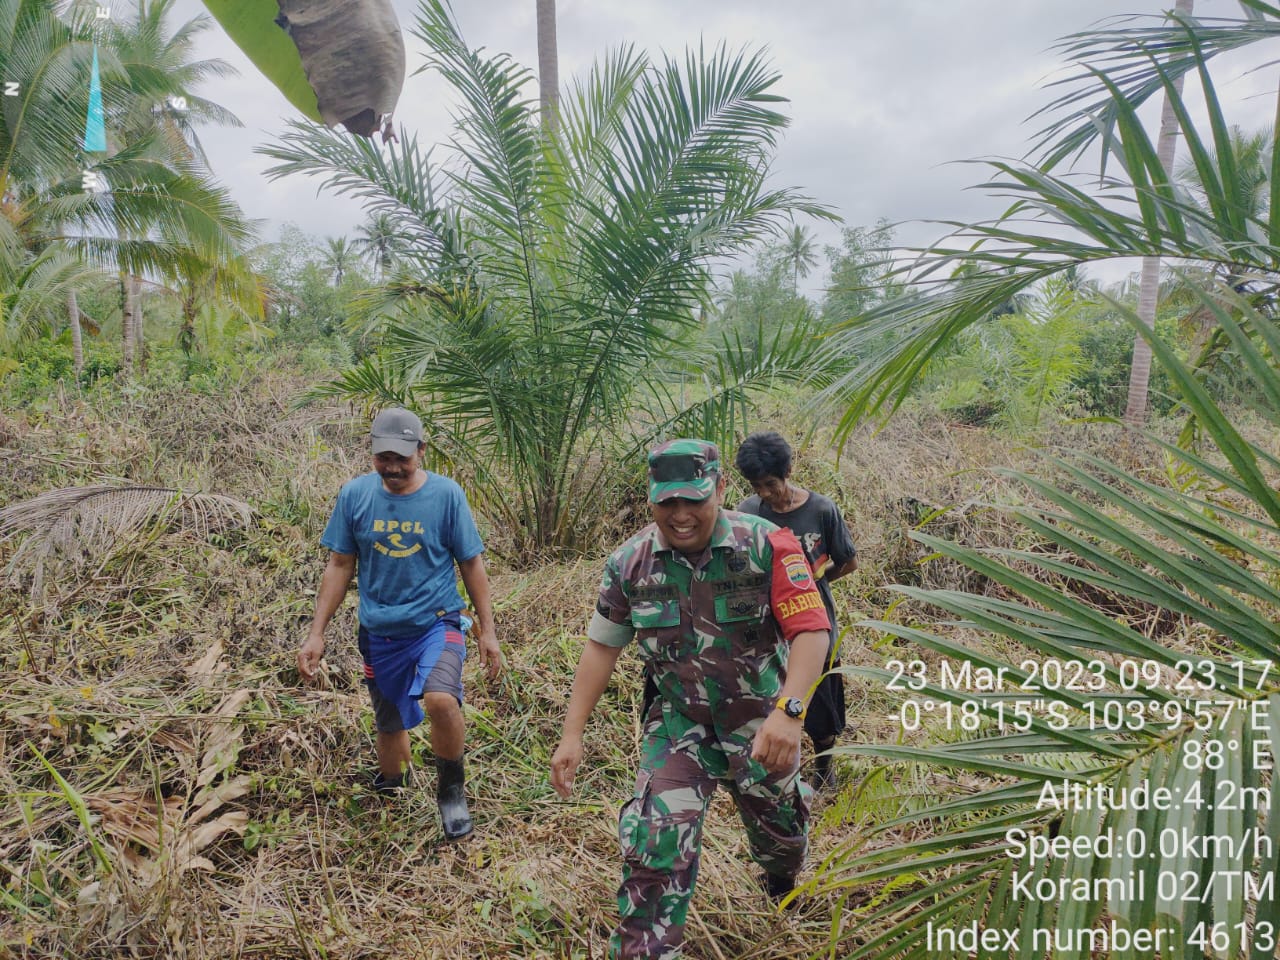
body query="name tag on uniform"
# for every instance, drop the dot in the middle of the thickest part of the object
(660, 591)
(752, 581)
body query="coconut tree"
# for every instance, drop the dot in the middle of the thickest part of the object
(378, 238)
(548, 64)
(800, 254)
(35, 288)
(1140, 211)
(152, 202)
(200, 284)
(153, 213)
(1135, 411)
(158, 105)
(164, 80)
(1154, 589)
(41, 121)
(558, 279)
(1251, 154)
(339, 255)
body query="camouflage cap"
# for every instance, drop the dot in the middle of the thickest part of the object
(683, 468)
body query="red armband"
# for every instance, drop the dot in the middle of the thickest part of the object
(793, 592)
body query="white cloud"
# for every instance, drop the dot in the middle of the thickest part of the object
(885, 94)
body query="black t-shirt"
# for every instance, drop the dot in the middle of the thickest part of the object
(820, 529)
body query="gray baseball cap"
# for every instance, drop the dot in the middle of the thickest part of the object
(396, 431)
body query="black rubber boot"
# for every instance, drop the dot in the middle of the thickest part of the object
(452, 798)
(824, 774)
(777, 887)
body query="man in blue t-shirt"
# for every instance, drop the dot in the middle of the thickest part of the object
(403, 529)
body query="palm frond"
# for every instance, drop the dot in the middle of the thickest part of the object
(81, 524)
(1166, 603)
(1138, 60)
(397, 180)
(1055, 223)
(497, 139)
(39, 129)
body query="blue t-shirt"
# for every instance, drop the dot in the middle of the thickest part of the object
(405, 547)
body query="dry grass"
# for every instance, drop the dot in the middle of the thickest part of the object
(168, 789)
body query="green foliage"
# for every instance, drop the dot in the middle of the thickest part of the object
(307, 306)
(547, 292)
(1017, 368)
(759, 303)
(378, 241)
(797, 252)
(160, 213)
(1054, 224)
(1114, 551)
(861, 272)
(1159, 587)
(1106, 345)
(1046, 354)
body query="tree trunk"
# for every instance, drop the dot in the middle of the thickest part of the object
(187, 333)
(77, 335)
(548, 66)
(126, 325)
(135, 289)
(1135, 411)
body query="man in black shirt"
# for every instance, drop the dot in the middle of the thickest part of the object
(764, 459)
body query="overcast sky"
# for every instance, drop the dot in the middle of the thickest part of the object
(885, 95)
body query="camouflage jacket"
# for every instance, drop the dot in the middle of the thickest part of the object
(714, 635)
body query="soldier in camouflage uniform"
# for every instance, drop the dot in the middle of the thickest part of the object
(732, 629)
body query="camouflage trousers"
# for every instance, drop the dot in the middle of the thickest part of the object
(660, 829)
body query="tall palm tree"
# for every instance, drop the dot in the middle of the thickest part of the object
(1251, 154)
(379, 239)
(163, 80)
(338, 258)
(548, 64)
(158, 105)
(156, 203)
(800, 254)
(1135, 411)
(229, 285)
(559, 279)
(38, 130)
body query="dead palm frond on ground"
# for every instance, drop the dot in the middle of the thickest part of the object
(130, 688)
(80, 525)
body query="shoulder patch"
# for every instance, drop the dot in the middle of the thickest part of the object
(797, 570)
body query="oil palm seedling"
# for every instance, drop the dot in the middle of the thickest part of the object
(544, 313)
